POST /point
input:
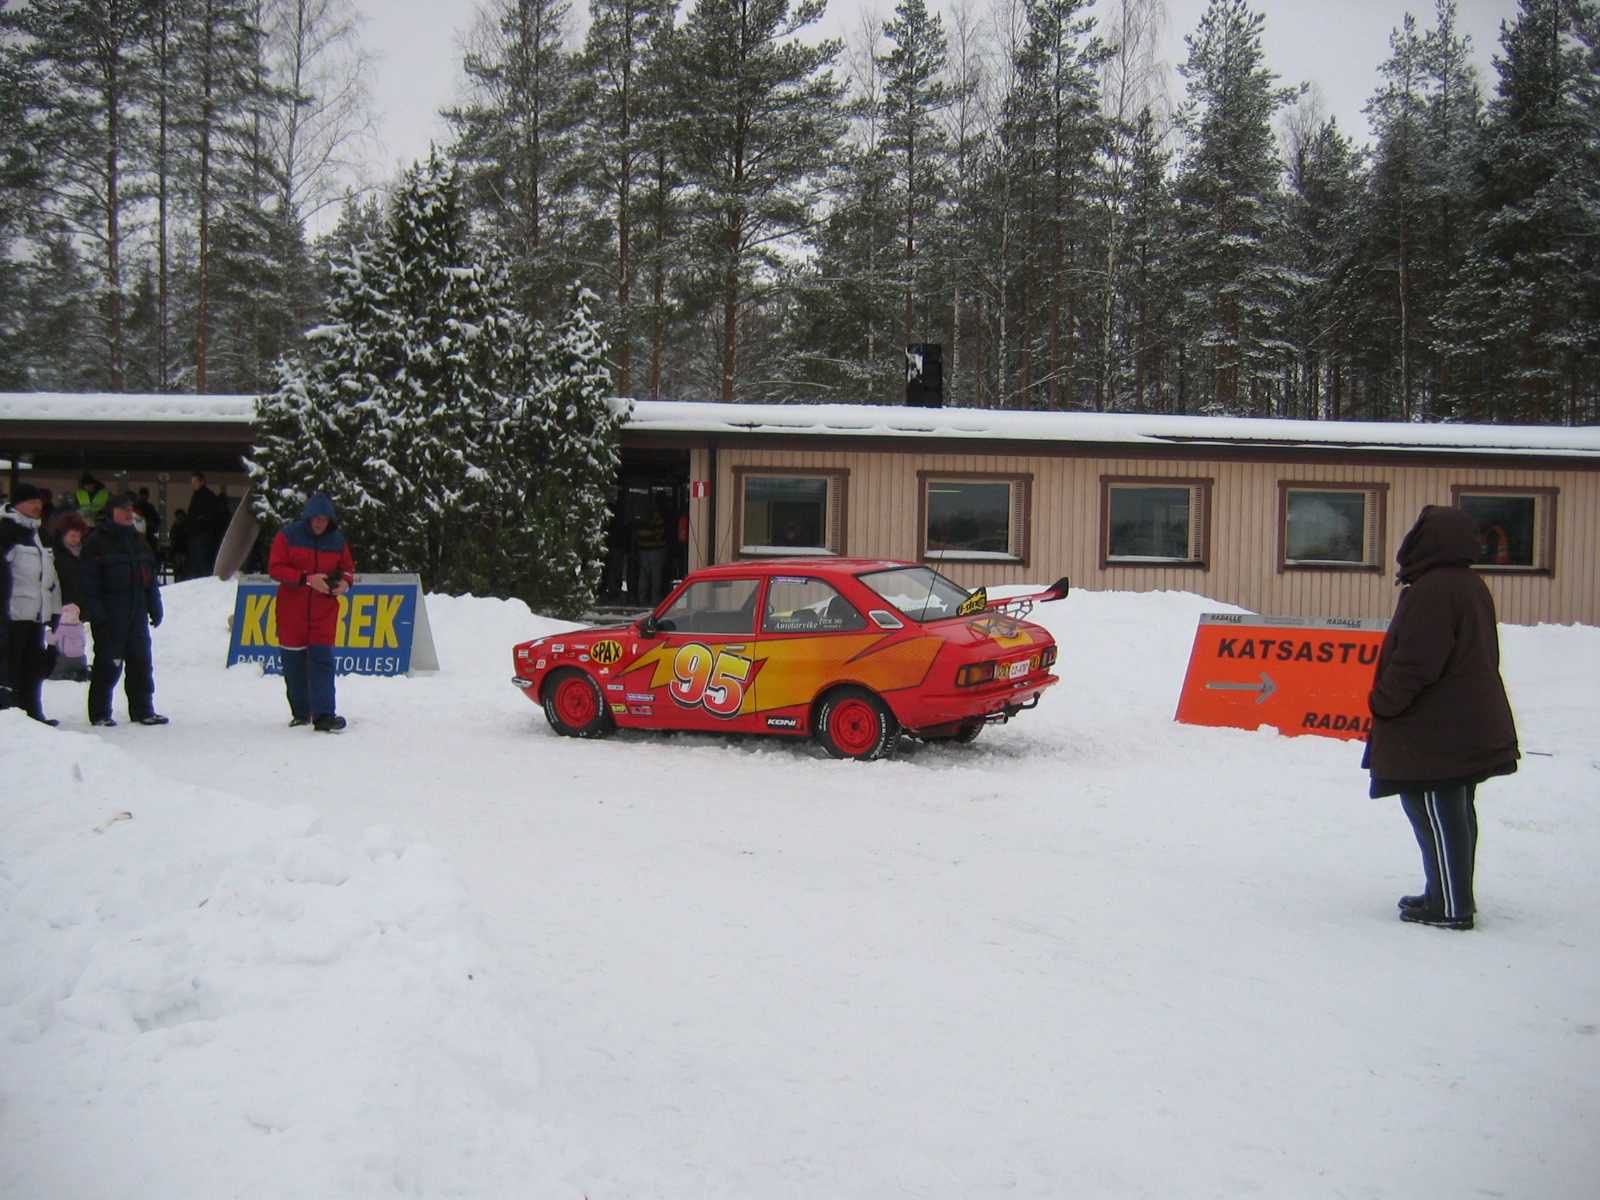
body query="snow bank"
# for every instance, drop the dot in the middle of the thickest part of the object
(200, 992)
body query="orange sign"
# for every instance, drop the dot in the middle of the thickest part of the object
(1296, 674)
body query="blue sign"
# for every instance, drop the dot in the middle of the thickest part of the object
(383, 627)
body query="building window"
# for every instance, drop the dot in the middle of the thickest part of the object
(1155, 521)
(781, 513)
(1329, 527)
(1517, 526)
(974, 518)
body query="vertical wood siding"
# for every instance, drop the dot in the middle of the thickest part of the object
(881, 505)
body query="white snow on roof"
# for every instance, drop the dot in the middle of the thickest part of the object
(119, 407)
(977, 424)
(933, 424)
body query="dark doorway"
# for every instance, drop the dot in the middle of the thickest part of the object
(647, 548)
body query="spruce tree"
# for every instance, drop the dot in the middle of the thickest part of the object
(1237, 282)
(557, 452)
(452, 445)
(1053, 133)
(397, 389)
(517, 144)
(758, 123)
(1524, 308)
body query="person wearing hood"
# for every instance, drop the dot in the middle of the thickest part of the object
(119, 591)
(1441, 722)
(31, 593)
(313, 566)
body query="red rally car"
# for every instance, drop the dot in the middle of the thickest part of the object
(850, 651)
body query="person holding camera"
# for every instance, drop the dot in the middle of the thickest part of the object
(311, 562)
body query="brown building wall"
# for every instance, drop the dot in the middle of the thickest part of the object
(881, 514)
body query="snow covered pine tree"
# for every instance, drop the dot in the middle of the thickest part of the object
(419, 409)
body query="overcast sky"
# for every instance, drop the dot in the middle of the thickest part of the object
(1337, 45)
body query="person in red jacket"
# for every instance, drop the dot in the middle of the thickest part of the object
(311, 562)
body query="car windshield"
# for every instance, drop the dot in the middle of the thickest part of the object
(919, 592)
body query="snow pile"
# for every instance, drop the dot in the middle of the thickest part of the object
(198, 987)
(1095, 954)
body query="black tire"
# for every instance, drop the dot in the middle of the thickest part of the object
(854, 723)
(574, 705)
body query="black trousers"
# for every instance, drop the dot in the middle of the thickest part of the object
(111, 654)
(1446, 825)
(27, 663)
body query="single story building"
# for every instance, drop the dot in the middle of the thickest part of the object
(1290, 518)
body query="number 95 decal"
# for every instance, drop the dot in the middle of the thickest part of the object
(715, 681)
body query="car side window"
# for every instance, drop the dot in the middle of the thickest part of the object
(713, 606)
(801, 604)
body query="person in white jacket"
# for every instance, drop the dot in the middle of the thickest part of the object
(32, 595)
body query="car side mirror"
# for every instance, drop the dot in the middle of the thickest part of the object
(649, 627)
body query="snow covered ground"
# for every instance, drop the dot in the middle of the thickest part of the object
(1096, 954)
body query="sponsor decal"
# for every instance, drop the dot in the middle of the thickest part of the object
(541, 664)
(606, 652)
(975, 603)
(619, 708)
(640, 697)
(558, 648)
(615, 687)
(783, 722)
(641, 710)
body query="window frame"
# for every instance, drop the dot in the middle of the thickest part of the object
(1019, 521)
(833, 517)
(1544, 498)
(1200, 489)
(1377, 494)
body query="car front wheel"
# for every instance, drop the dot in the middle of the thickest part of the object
(574, 707)
(854, 723)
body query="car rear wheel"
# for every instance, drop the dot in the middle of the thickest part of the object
(574, 706)
(854, 723)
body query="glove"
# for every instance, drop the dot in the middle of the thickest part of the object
(155, 620)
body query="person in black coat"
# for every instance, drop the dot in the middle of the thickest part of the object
(1441, 722)
(120, 593)
(201, 527)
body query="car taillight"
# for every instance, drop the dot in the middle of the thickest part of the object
(1047, 659)
(975, 673)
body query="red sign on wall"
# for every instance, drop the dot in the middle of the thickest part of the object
(700, 489)
(1296, 674)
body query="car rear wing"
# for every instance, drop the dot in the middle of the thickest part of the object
(1013, 606)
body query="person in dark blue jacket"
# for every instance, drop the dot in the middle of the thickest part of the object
(120, 594)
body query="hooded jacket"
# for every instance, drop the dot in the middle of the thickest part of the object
(1439, 710)
(305, 616)
(30, 588)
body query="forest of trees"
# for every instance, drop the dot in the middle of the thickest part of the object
(767, 215)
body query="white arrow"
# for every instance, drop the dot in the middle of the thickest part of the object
(1266, 687)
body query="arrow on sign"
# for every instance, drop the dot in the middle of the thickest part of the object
(1266, 687)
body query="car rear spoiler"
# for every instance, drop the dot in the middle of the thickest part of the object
(1013, 606)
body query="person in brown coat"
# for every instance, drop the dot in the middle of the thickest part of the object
(1441, 723)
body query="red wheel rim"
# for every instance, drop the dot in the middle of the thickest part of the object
(853, 725)
(575, 702)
